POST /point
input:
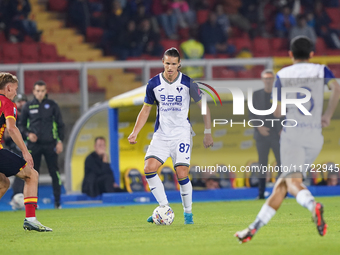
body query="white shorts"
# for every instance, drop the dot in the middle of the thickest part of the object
(295, 156)
(179, 150)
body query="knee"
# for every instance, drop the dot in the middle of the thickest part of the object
(182, 172)
(32, 174)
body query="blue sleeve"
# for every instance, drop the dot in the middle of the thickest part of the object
(149, 95)
(195, 91)
(328, 75)
(278, 85)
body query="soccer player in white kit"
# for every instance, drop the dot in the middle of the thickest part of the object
(301, 144)
(172, 92)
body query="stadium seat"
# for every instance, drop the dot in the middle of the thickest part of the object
(134, 181)
(261, 47)
(334, 14)
(333, 52)
(245, 74)
(202, 16)
(93, 84)
(169, 178)
(155, 71)
(52, 80)
(58, 5)
(257, 70)
(48, 53)
(29, 53)
(241, 43)
(335, 70)
(70, 83)
(30, 77)
(209, 56)
(2, 38)
(169, 43)
(94, 34)
(11, 53)
(227, 74)
(280, 47)
(320, 47)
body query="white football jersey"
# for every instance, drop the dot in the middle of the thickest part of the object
(173, 101)
(313, 77)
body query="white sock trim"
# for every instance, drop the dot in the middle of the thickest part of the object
(305, 198)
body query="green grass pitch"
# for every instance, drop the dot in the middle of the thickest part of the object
(124, 230)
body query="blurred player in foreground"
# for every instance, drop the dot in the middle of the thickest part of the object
(301, 144)
(10, 163)
(172, 91)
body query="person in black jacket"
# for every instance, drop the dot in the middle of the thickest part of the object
(42, 123)
(266, 136)
(98, 177)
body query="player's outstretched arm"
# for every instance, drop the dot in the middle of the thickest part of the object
(140, 122)
(332, 103)
(208, 140)
(16, 136)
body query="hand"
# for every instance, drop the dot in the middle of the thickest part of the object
(115, 185)
(105, 158)
(59, 147)
(28, 157)
(264, 131)
(208, 141)
(32, 137)
(132, 138)
(325, 121)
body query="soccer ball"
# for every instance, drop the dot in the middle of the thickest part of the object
(17, 202)
(163, 215)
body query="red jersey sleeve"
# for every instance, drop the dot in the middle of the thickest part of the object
(10, 109)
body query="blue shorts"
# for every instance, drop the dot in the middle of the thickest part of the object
(10, 163)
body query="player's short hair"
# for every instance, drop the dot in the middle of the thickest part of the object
(172, 52)
(267, 71)
(301, 47)
(99, 138)
(39, 83)
(7, 78)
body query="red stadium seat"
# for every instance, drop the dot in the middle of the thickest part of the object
(52, 79)
(2, 38)
(335, 70)
(58, 5)
(169, 43)
(11, 53)
(29, 53)
(209, 56)
(241, 43)
(261, 47)
(48, 53)
(280, 46)
(245, 74)
(70, 83)
(334, 14)
(94, 34)
(31, 77)
(320, 47)
(257, 70)
(333, 52)
(223, 72)
(202, 16)
(155, 71)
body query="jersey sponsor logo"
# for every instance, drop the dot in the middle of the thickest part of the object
(15, 111)
(47, 106)
(34, 111)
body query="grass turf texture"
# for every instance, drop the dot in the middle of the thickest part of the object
(124, 230)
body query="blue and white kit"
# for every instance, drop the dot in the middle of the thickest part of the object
(301, 144)
(172, 134)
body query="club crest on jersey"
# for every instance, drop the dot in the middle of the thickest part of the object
(47, 106)
(179, 89)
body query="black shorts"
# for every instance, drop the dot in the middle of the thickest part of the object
(10, 163)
